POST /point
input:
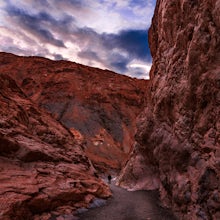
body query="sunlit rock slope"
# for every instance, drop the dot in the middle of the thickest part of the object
(98, 106)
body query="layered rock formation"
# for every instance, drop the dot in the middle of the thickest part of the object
(178, 140)
(44, 172)
(98, 106)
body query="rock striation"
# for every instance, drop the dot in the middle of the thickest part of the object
(44, 172)
(177, 147)
(98, 106)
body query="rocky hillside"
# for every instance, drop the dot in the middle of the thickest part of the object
(177, 146)
(98, 106)
(43, 170)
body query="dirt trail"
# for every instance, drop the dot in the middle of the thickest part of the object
(125, 205)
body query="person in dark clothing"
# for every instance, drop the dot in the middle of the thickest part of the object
(109, 178)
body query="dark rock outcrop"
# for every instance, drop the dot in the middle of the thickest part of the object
(177, 146)
(98, 106)
(43, 169)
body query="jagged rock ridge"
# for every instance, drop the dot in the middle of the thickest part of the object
(43, 169)
(177, 146)
(98, 106)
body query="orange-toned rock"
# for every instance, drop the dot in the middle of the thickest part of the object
(101, 105)
(42, 166)
(178, 135)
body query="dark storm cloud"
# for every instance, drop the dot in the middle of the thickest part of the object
(134, 42)
(34, 24)
(120, 48)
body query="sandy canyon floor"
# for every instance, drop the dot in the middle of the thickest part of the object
(129, 205)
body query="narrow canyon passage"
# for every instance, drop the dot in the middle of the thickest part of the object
(125, 205)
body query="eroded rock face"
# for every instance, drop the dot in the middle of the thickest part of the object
(178, 137)
(98, 105)
(43, 169)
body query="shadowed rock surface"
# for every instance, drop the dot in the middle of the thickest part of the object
(177, 146)
(43, 168)
(98, 106)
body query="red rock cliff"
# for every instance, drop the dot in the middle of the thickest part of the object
(177, 146)
(98, 105)
(43, 168)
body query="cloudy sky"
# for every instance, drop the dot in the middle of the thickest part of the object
(109, 34)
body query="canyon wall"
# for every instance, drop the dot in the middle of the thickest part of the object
(44, 172)
(177, 147)
(98, 106)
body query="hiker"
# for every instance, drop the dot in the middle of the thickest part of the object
(109, 179)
